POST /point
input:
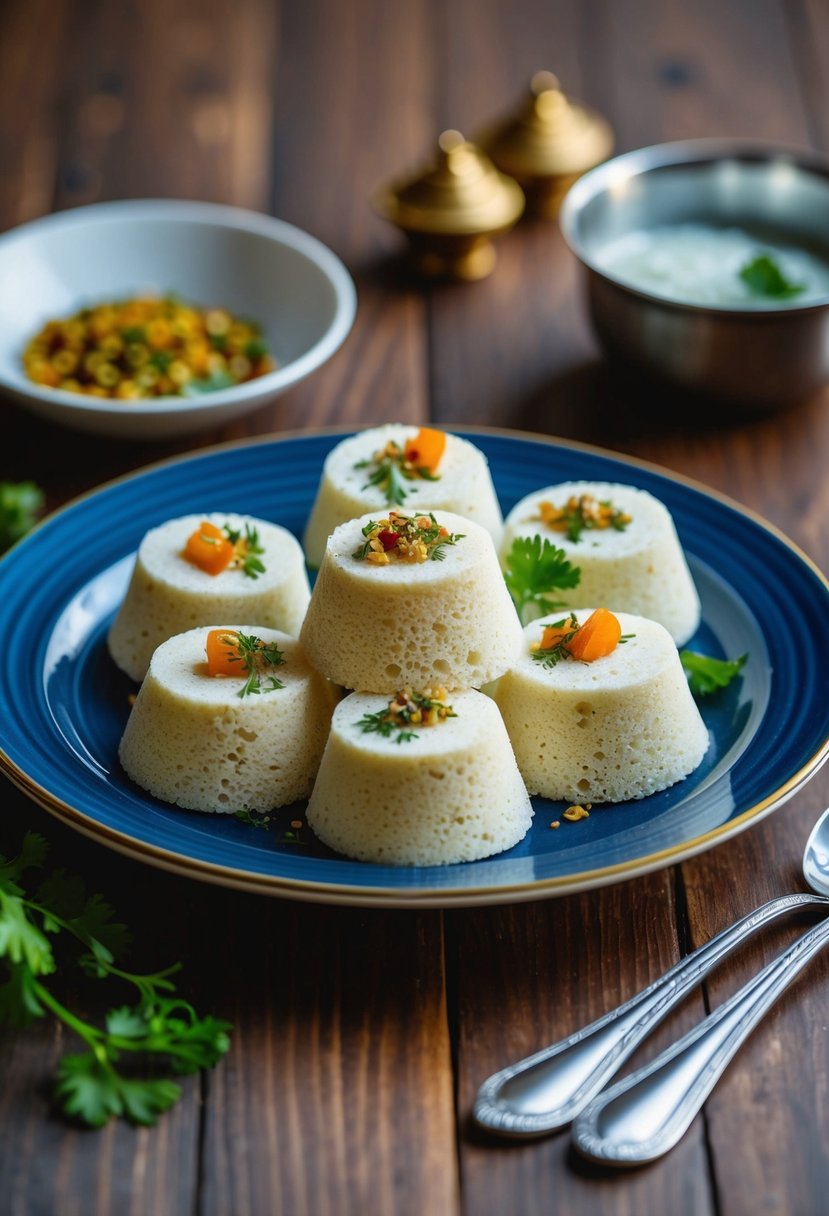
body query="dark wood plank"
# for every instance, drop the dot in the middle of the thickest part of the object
(337, 1097)
(30, 68)
(528, 976)
(48, 1167)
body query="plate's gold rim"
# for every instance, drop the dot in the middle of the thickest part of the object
(339, 893)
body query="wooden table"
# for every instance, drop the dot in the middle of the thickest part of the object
(361, 1037)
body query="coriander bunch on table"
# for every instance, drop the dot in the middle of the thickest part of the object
(48, 923)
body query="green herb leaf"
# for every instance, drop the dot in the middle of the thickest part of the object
(707, 675)
(763, 277)
(20, 503)
(93, 1092)
(534, 569)
(160, 1027)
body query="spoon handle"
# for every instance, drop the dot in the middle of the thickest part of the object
(641, 1117)
(547, 1090)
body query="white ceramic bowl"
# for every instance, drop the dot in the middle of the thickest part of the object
(259, 267)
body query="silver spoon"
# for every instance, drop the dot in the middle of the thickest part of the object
(549, 1089)
(641, 1117)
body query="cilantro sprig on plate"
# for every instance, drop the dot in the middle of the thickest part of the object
(707, 675)
(534, 569)
(40, 914)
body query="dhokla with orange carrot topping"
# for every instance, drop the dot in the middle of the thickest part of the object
(410, 599)
(406, 467)
(598, 708)
(424, 778)
(625, 544)
(228, 718)
(205, 570)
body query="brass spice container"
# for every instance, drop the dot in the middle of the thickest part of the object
(451, 212)
(547, 143)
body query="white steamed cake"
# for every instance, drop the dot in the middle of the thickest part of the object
(621, 727)
(641, 569)
(464, 486)
(378, 628)
(193, 741)
(452, 794)
(167, 594)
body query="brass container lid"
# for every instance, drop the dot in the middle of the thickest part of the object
(550, 136)
(460, 194)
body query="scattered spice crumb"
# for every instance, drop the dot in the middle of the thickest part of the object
(574, 813)
(296, 823)
(555, 824)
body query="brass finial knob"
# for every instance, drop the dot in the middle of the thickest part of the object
(451, 211)
(548, 142)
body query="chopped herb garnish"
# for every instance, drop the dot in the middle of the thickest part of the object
(405, 538)
(259, 819)
(534, 569)
(159, 1029)
(595, 638)
(552, 654)
(253, 819)
(763, 277)
(254, 656)
(248, 548)
(408, 708)
(707, 675)
(582, 513)
(391, 469)
(20, 503)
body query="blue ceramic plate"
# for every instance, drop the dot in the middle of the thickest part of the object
(66, 705)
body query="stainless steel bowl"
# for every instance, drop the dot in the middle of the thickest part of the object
(766, 359)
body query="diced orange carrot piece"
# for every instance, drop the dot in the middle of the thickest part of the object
(426, 449)
(598, 636)
(223, 657)
(209, 549)
(553, 634)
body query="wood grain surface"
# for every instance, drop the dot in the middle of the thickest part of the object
(361, 1036)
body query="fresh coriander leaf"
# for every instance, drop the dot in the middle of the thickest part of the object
(763, 277)
(21, 941)
(126, 1023)
(31, 857)
(65, 904)
(92, 1091)
(707, 675)
(20, 503)
(534, 569)
(160, 1027)
(19, 1004)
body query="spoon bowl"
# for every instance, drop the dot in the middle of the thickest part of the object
(547, 1090)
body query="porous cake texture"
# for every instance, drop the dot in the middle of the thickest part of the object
(193, 741)
(640, 569)
(464, 486)
(452, 794)
(621, 727)
(378, 628)
(167, 594)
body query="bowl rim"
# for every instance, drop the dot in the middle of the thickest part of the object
(686, 153)
(219, 215)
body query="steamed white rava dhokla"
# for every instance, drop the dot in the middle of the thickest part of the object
(168, 593)
(625, 544)
(451, 793)
(192, 740)
(620, 727)
(405, 599)
(357, 472)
